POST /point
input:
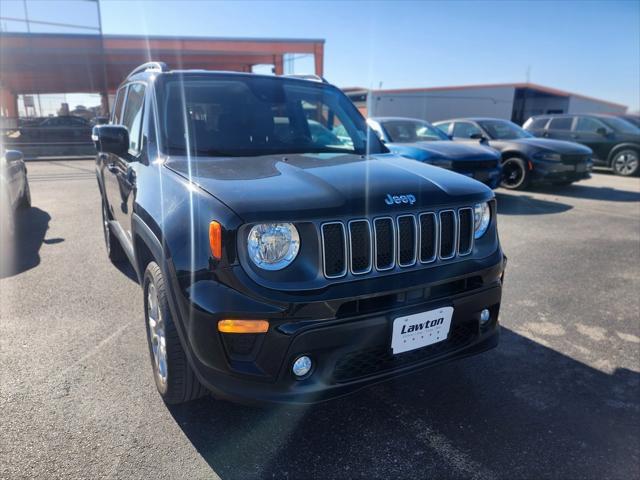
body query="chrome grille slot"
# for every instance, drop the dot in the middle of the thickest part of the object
(447, 234)
(360, 246)
(465, 231)
(334, 250)
(407, 240)
(385, 243)
(428, 237)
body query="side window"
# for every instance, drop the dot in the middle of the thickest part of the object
(117, 109)
(444, 127)
(590, 125)
(538, 124)
(132, 116)
(465, 130)
(561, 123)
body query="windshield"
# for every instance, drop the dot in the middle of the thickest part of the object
(620, 125)
(250, 116)
(409, 131)
(503, 130)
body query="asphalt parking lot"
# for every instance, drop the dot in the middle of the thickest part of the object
(559, 398)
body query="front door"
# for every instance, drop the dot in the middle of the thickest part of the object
(120, 172)
(592, 133)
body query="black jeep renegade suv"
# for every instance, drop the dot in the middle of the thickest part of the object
(280, 263)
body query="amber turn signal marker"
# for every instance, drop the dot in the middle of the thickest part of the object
(215, 239)
(243, 326)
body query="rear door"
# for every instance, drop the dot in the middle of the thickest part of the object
(559, 128)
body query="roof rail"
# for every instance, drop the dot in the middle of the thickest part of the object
(156, 66)
(307, 76)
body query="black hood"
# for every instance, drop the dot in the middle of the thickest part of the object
(326, 185)
(446, 149)
(558, 146)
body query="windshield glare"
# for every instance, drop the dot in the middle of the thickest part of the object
(501, 130)
(247, 116)
(407, 131)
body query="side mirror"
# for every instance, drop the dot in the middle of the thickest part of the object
(603, 131)
(477, 136)
(13, 155)
(111, 139)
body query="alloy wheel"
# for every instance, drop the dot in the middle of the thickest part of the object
(513, 174)
(626, 163)
(157, 336)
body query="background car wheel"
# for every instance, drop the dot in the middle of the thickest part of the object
(114, 249)
(25, 201)
(515, 174)
(626, 163)
(174, 377)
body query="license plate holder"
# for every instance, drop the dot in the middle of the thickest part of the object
(421, 329)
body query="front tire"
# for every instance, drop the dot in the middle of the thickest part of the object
(175, 379)
(515, 174)
(626, 163)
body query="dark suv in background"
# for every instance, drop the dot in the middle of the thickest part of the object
(615, 142)
(525, 159)
(280, 264)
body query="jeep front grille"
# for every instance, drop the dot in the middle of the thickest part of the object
(360, 246)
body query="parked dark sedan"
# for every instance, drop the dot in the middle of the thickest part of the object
(615, 142)
(419, 140)
(525, 159)
(65, 128)
(14, 190)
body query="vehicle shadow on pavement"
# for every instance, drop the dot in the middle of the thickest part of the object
(22, 253)
(522, 410)
(587, 192)
(514, 204)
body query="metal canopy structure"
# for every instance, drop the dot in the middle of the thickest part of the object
(33, 63)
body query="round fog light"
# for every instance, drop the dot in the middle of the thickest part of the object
(301, 366)
(485, 315)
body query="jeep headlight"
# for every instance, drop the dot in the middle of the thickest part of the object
(273, 246)
(481, 218)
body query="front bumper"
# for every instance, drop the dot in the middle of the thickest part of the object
(554, 172)
(350, 347)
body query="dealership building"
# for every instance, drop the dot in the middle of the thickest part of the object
(510, 101)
